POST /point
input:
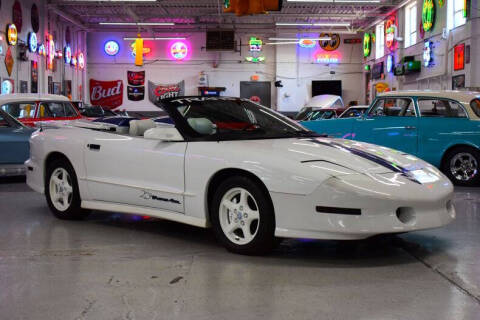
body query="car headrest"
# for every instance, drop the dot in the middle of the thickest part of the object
(138, 127)
(202, 125)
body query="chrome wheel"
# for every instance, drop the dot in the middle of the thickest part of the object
(61, 189)
(464, 166)
(239, 216)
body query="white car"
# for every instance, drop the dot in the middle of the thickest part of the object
(243, 169)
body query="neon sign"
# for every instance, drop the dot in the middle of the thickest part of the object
(327, 58)
(391, 32)
(390, 63)
(81, 60)
(7, 86)
(32, 42)
(145, 49)
(41, 50)
(111, 47)
(428, 14)
(12, 34)
(179, 50)
(459, 57)
(427, 53)
(367, 45)
(307, 43)
(256, 46)
(51, 52)
(67, 55)
(74, 61)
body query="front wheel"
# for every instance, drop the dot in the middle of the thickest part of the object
(242, 217)
(461, 165)
(61, 191)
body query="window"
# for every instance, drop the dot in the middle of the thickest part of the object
(56, 110)
(455, 14)
(475, 105)
(7, 121)
(393, 107)
(441, 108)
(379, 41)
(411, 24)
(20, 110)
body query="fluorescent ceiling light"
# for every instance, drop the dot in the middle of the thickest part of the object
(156, 38)
(332, 24)
(286, 42)
(318, 24)
(298, 39)
(138, 23)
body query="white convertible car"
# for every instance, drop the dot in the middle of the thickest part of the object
(243, 169)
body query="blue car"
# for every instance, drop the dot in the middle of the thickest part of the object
(441, 127)
(14, 145)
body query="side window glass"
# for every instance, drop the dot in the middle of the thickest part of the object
(440, 108)
(377, 109)
(44, 111)
(399, 107)
(20, 110)
(69, 110)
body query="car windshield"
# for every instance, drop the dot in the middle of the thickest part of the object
(7, 121)
(231, 118)
(96, 111)
(320, 114)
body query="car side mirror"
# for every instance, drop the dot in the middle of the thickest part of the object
(164, 133)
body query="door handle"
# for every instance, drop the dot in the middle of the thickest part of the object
(410, 127)
(95, 147)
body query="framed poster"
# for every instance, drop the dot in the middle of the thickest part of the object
(23, 86)
(458, 82)
(135, 93)
(50, 84)
(67, 87)
(34, 77)
(57, 88)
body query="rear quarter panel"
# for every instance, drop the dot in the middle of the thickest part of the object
(437, 135)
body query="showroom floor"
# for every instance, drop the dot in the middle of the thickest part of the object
(114, 266)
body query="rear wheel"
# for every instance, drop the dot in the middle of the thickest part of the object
(61, 191)
(242, 217)
(462, 165)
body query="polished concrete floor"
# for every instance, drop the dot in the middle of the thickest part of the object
(114, 266)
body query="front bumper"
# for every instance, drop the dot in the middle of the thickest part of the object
(384, 209)
(35, 179)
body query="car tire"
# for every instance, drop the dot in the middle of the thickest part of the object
(61, 191)
(462, 166)
(242, 217)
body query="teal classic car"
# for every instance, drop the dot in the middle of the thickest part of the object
(441, 127)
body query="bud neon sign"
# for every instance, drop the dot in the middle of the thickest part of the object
(327, 58)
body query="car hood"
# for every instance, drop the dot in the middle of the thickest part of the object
(357, 156)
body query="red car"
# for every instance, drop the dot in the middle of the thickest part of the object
(33, 108)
